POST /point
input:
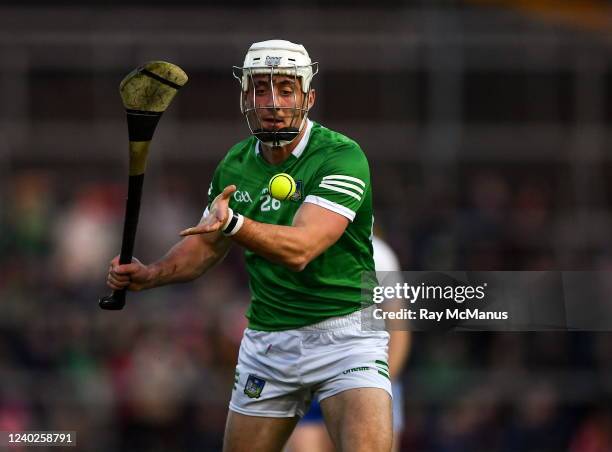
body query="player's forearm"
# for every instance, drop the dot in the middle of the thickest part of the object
(186, 261)
(285, 245)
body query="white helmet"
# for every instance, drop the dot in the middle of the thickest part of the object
(275, 57)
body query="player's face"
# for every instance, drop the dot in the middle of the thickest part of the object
(276, 102)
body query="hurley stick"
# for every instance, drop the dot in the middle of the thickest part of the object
(146, 93)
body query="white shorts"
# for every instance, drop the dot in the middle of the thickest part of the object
(278, 373)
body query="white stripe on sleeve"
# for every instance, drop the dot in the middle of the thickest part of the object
(337, 183)
(340, 190)
(343, 177)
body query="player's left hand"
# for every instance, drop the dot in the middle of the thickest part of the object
(217, 214)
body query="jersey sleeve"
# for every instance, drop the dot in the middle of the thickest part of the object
(342, 181)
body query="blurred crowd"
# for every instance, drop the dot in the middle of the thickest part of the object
(157, 376)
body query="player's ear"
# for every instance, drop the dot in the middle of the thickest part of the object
(311, 98)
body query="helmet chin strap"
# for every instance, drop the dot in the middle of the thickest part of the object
(280, 137)
(276, 138)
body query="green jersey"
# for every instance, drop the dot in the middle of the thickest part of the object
(331, 171)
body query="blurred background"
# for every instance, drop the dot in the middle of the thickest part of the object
(487, 127)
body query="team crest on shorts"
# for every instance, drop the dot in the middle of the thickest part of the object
(254, 386)
(299, 185)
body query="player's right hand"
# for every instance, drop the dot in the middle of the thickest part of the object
(132, 276)
(217, 216)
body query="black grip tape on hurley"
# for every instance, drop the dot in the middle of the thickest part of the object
(132, 210)
(116, 300)
(141, 124)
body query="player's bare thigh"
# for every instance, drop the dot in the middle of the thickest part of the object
(359, 420)
(255, 433)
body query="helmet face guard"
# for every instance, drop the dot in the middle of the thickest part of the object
(281, 133)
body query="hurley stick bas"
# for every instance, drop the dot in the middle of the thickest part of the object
(146, 93)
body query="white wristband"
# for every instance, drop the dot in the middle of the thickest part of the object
(233, 225)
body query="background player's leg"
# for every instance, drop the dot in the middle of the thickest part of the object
(256, 434)
(398, 415)
(359, 420)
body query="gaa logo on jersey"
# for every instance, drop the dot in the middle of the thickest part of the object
(299, 186)
(254, 386)
(242, 196)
